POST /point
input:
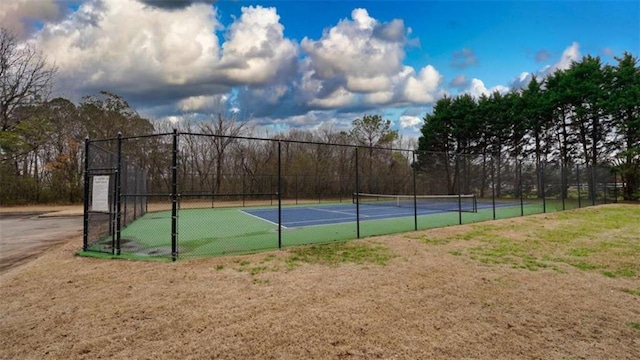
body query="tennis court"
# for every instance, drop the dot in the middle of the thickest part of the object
(225, 230)
(370, 207)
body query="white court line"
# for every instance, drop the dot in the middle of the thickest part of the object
(322, 221)
(263, 219)
(336, 212)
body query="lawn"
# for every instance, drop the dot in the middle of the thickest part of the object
(564, 285)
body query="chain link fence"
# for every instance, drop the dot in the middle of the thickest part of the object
(189, 195)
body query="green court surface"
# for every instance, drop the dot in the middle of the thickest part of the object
(221, 231)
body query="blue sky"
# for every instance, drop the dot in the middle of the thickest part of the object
(307, 64)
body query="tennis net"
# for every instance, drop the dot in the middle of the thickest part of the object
(466, 202)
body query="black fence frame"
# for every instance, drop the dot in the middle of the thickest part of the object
(119, 164)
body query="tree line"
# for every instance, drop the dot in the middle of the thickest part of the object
(588, 114)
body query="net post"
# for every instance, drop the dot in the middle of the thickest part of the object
(118, 198)
(279, 195)
(174, 197)
(357, 196)
(85, 226)
(415, 195)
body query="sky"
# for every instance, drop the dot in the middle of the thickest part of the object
(311, 64)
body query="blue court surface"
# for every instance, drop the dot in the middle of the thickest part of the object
(300, 216)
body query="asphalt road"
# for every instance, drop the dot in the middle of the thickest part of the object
(24, 236)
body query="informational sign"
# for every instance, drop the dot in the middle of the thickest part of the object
(100, 194)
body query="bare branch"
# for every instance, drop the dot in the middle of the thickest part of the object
(25, 78)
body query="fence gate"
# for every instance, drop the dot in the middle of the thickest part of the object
(101, 200)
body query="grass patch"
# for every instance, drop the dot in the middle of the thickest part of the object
(257, 270)
(635, 325)
(332, 254)
(632, 292)
(338, 253)
(581, 251)
(602, 238)
(581, 265)
(429, 240)
(623, 272)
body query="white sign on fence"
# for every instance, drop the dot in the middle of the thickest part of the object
(100, 193)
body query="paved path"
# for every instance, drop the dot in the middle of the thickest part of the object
(26, 235)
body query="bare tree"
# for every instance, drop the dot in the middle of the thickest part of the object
(225, 125)
(25, 78)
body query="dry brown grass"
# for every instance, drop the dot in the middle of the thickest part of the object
(431, 300)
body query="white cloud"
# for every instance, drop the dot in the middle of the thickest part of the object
(256, 51)
(147, 51)
(13, 14)
(170, 59)
(407, 121)
(364, 85)
(379, 98)
(359, 63)
(358, 51)
(424, 87)
(521, 81)
(337, 99)
(123, 43)
(477, 89)
(569, 55)
(197, 103)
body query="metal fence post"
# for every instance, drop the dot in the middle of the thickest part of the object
(542, 185)
(594, 185)
(174, 197)
(85, 230)
(563, 185)
(357, 197)
(279, 195)
(118, 198)
(459, 183)
(493, 187)
(415, 195)
(521, 187)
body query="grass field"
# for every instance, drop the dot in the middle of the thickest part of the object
(564, 285)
